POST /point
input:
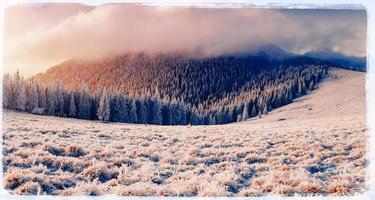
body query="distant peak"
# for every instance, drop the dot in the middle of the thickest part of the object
(272, 51)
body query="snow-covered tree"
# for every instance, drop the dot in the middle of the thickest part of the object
(142, 112)
(7, 91)
(42, 96)
(265, 110)
(133, 112)
(84, 103)
(253, 111)
(156, 114)
(60, 92)
(104, 110)
(20, 93)
(32, 98)
(52, 100)
(245, 113)
(72, 107)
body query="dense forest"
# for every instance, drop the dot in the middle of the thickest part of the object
(165, 89)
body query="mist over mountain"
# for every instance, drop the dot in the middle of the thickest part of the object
(138, 72)
(39, 36)
(272, 52)
(339, 59)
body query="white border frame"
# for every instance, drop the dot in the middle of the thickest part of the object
(347, 4)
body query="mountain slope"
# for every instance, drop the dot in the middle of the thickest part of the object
(340, 60)
(214, 90)
(318, 151)
(342, 93)
(192, 80)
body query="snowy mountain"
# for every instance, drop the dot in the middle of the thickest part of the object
(209, 90)
(272, 52)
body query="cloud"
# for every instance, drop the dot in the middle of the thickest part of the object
(76, 31)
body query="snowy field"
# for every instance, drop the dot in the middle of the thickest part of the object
(314, 146)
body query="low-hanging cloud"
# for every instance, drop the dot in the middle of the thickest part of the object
(91, 32)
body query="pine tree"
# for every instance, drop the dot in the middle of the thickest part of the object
(20, 97)
(84, 104)
(133, 118)
(156, 115)
(232, 114)
(180, 112)
(72, 107)
(253, 111)
(60, 100)
(265, 110)
(52, 101)
(32, 98)
(239, 117)
(95, 103)
(149, 104)
(245, 114)
(42, 96)
(239, 110)
(194, 117)
(142, 112)
(122, 108)
(7, 91)
(104, 110)
(212, 119)
(166, 113)
(312, 85)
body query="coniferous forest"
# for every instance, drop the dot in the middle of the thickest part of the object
(165, 89)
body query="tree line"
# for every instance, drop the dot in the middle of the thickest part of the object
(265, 91)
(193, 80)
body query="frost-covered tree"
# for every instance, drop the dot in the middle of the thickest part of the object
(42, 96)
(60, 92)
(156, 113)
(265, 110)
(133, 112)
(142, 112)
(95, 102)
(84, 103)
(32, 97)
(104, 110)
(20, 95)
(302, 87)
(123, 108)
(52, 100)
(194, 117)
(72, 107)
(7, 91)
(245, 113)
(166, 113)
(253, 111)
(179, 114)
(212, 119)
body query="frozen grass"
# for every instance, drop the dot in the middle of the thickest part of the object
(318, 151)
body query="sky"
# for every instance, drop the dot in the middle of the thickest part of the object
(38, 36)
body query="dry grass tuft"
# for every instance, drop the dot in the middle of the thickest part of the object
(29, 188)
(99, 171)
(338, 187)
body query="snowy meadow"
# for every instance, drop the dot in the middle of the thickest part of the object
(314, 146)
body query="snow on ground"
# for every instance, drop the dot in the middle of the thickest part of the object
(314, 146)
